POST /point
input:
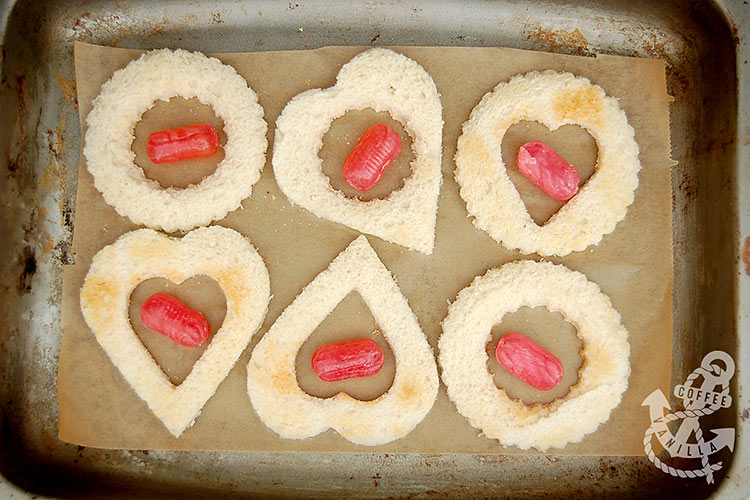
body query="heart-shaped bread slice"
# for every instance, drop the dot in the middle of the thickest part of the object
(384, 81)
(218, 252)
(292, 413)
(553, 99)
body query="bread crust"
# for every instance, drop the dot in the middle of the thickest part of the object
(553, 99)
(220, 253)
(603, 377)
(161, 75)
(384, 81)
(292, 413)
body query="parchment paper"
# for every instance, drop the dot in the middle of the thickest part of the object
(633, 265)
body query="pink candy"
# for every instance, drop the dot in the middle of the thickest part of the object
(544, 167)
(355, 358)
(529, 361)
(374, 151)
(184, 143)
(168, 316)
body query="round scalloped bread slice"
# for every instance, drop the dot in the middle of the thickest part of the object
(553, 99)
(220, 253)
(271, 377)
(463, 356)
(384, 81)
(163, 74)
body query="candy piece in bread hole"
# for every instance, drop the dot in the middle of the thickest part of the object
(220, 253)
(384, 81)
(374, 151)
(163, 74)
(529, 361)
(182, 143)
(271, 378)
(603, 377)
(345, 360)
(553, 99)
(169, 316)
(544, 167)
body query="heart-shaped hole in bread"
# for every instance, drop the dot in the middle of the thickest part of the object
(341, 138)
(552, 332)
(571, 142)
(200, 293)
(177, 112)
(349, 320)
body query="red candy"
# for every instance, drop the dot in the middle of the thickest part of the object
(529, 361)
(170, 317)
(374, 151)
(355, 358)
(544, 167)
(184, 143)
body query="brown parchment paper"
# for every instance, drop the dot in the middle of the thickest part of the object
(632, 265)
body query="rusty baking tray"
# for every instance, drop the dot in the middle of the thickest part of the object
(703, 45)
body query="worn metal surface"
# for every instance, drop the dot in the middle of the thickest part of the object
(701, 44)
(736, 483)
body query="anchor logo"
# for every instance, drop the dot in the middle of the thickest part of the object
(710, 396)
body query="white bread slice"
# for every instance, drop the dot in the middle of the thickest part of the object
(163, 74)
(384, 81)
(553, 99)
(221, 253)
(272, 383)
(463, 356)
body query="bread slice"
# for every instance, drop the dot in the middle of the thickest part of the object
(463, 356)
(163, 74)
(220, 253)
(384, 81)
(293, 414)
(553, 99)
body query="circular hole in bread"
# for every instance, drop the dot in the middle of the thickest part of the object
(341, 138)
(552, 332)
(350, 320)
(573, 143)
(177, 112)
(200, 293)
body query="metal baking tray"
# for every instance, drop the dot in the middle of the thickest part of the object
(705, 50)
